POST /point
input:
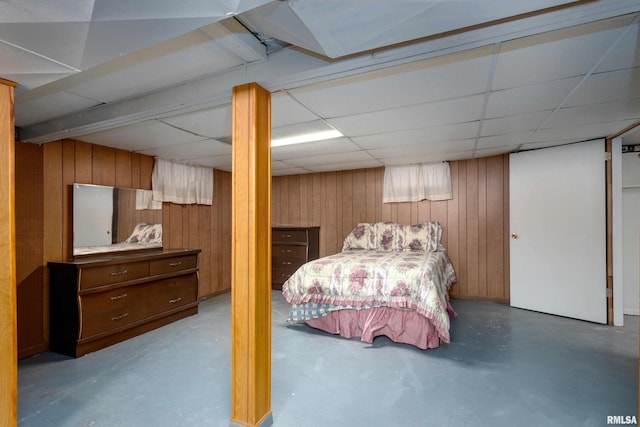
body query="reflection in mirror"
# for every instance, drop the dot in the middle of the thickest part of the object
(110, 219)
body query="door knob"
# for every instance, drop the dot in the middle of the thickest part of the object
(514, 235)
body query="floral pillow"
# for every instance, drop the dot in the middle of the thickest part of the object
(386, 236)
(146, 233)
(422, 237)
(358, 238)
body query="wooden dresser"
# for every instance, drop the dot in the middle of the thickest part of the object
(292, 247)
(97, 301)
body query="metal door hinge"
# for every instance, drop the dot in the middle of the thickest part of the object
(607, 156)
(609, 292)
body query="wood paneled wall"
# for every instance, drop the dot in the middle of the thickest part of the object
(33, 313)
(194, 226)
(475, 223)
(45, 231)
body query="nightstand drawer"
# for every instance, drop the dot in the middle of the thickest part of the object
(289, 236)
(289, 251)
(114, 273)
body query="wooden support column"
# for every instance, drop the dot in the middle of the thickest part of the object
(251, 257)
(8, 334)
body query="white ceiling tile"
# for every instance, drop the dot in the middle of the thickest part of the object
(192, 151)
(432, 157)
(212, 122)
(423, 149)
(286, 111)
(625, 55)
(330, 158)
(352, 165)
(289, 171)
(559, 54)
(420, 82)
(515, 123)
(608, 86)
(489, 152)
(141, 136)
(312, 149)
(154, 69)
(55, 105)
(17, 61)
(413, 117)
(453, 132)
(528, 99)
(28, 11)
(601, 112)
(218, 162)
(581, 132)
(509, 140)
(547, 144)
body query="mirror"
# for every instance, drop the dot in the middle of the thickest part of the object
(111, 219)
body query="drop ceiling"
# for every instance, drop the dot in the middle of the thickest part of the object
(404, 82)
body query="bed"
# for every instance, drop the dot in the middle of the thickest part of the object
(389, 279)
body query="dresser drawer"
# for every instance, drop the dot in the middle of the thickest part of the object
(114, 273)
(167, 294)
(169, 265)
(92, 304)
(283, 235)
(112, 318)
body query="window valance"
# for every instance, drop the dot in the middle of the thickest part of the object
(412, 183)
(181, 183)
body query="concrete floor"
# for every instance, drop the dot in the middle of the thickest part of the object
(504, 367)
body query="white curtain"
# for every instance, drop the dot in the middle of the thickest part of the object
(144, 200)
(412, 183)
(437, 181)
(179, 183)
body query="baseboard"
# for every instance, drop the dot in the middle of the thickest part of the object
(631, 312)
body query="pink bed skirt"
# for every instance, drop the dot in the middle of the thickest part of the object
(402, 326)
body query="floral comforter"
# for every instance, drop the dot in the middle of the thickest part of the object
(355, 278)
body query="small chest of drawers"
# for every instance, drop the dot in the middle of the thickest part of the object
(102, 300)
(291, 247)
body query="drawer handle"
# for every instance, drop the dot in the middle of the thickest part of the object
(122, 316)
(173, 301)
(286, 251)
(118, 297)
(175, 264)
(286, 262)
(286, 236)
(285, 275)
(118, 273)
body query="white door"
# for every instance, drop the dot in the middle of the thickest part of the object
(558, 225)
